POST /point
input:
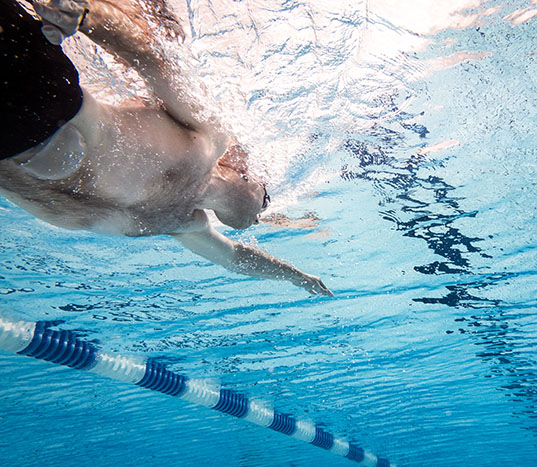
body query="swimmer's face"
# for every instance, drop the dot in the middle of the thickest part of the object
(244, 199)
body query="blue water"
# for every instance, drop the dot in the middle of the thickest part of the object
(410, 134)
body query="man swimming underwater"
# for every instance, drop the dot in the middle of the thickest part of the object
(120, 170)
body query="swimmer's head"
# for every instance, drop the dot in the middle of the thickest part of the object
(236, 198)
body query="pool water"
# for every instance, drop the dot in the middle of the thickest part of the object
(399, 140)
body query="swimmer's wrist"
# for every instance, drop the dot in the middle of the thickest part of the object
(296, 276)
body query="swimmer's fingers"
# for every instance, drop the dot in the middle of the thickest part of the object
(69, 5)
(63, 15)
(314, 285)
(73, 7)
(322, 289)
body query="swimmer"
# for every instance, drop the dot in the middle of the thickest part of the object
(132, 170)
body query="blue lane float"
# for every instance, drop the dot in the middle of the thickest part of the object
(38, 340)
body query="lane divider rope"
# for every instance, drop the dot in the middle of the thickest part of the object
(36, 339)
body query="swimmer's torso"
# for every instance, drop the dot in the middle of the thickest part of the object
(119, 171)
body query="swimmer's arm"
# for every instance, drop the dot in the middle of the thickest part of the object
(121, 29)
(245, 259)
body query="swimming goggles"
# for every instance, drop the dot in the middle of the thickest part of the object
(244, 175)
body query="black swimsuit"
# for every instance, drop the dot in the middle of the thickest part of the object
(39, 89)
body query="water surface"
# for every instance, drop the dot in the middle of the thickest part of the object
(400, 138)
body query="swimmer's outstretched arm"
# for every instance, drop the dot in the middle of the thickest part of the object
(247, 260)
(120, 28)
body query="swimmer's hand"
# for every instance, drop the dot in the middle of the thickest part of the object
(61, 18)
(119, 26)
(314, 285)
